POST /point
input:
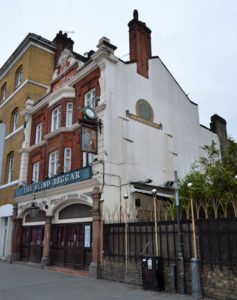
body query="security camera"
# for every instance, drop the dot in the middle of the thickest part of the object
(125, 196)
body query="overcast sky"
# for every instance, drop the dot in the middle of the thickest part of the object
(196, 39)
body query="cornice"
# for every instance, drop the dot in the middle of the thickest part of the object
(54, 97)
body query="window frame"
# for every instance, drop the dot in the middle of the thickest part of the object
(10, 167)
(35, 171)
(18, 77)
(53, 163)
(56, 118)
(3, 92)
(38, 133)
(69, 114)
(15, 117)
(89, 98)
(67, 158)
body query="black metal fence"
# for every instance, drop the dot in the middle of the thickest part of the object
(217, 240)
(141, 240)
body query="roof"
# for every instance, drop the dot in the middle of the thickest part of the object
(31, 37)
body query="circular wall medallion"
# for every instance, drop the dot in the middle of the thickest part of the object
(144, 110)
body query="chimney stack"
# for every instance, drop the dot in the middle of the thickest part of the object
(218, 126)
(139, 44)
(62, 41)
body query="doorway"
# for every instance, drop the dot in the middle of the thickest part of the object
(71, 245)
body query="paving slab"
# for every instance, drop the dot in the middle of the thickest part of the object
(28, 282)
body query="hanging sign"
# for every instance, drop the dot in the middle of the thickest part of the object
(88, 138)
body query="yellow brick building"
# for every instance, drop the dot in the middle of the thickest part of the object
(34, 60)
(25, 75)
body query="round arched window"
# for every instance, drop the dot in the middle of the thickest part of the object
(144, 110)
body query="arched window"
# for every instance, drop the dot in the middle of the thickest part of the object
(18, 80)
(14, 123)
(10, 166)
(3, 92)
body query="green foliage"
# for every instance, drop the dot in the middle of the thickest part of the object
(214, 186)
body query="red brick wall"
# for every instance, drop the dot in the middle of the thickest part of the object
(63, 139)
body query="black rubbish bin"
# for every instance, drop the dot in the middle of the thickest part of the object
(152, 273)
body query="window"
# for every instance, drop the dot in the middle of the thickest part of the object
(3, 92)
(18, 80)
(67, 159)
(35, 172)
(15, 115)
(53, 164)
(56, 118)
(88, 159)
(10, 166)
(38, 133)
(69, 114)
(89, 99)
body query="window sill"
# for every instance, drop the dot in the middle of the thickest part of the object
(4, 186)
(14, 132)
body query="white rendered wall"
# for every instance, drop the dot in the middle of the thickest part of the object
(136, 151)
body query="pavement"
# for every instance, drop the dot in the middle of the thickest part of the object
(28, 282)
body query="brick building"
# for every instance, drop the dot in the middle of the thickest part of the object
(25, 75)
(101, 131)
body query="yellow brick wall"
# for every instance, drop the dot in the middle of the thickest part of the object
(42, 71)
(7, 195)
(37, 65)
(13, 144)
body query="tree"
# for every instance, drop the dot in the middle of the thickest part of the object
(214, 188)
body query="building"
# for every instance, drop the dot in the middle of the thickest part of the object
(25, 75)
(106, 134)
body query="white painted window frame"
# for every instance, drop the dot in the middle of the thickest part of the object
(67, 160)
(89, 98)
(38, 133)
(35, 171)
(10, 167)
(56, 118)
(69, 114)
(15, 116)
(53, 163)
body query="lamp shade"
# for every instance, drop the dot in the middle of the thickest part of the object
(33, 210)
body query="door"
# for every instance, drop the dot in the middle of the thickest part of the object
(69, 248)
(74, 246)
(32, 243)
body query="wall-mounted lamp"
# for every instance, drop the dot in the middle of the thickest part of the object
(125, 196)
(33, 210)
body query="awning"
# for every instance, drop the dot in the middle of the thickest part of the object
(6, 210)
(147, 192)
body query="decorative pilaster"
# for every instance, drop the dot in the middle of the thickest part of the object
(45, 260)
(95, 266)
(16, 237)
(24, 151)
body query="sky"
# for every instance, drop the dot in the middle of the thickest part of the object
(196, 40)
